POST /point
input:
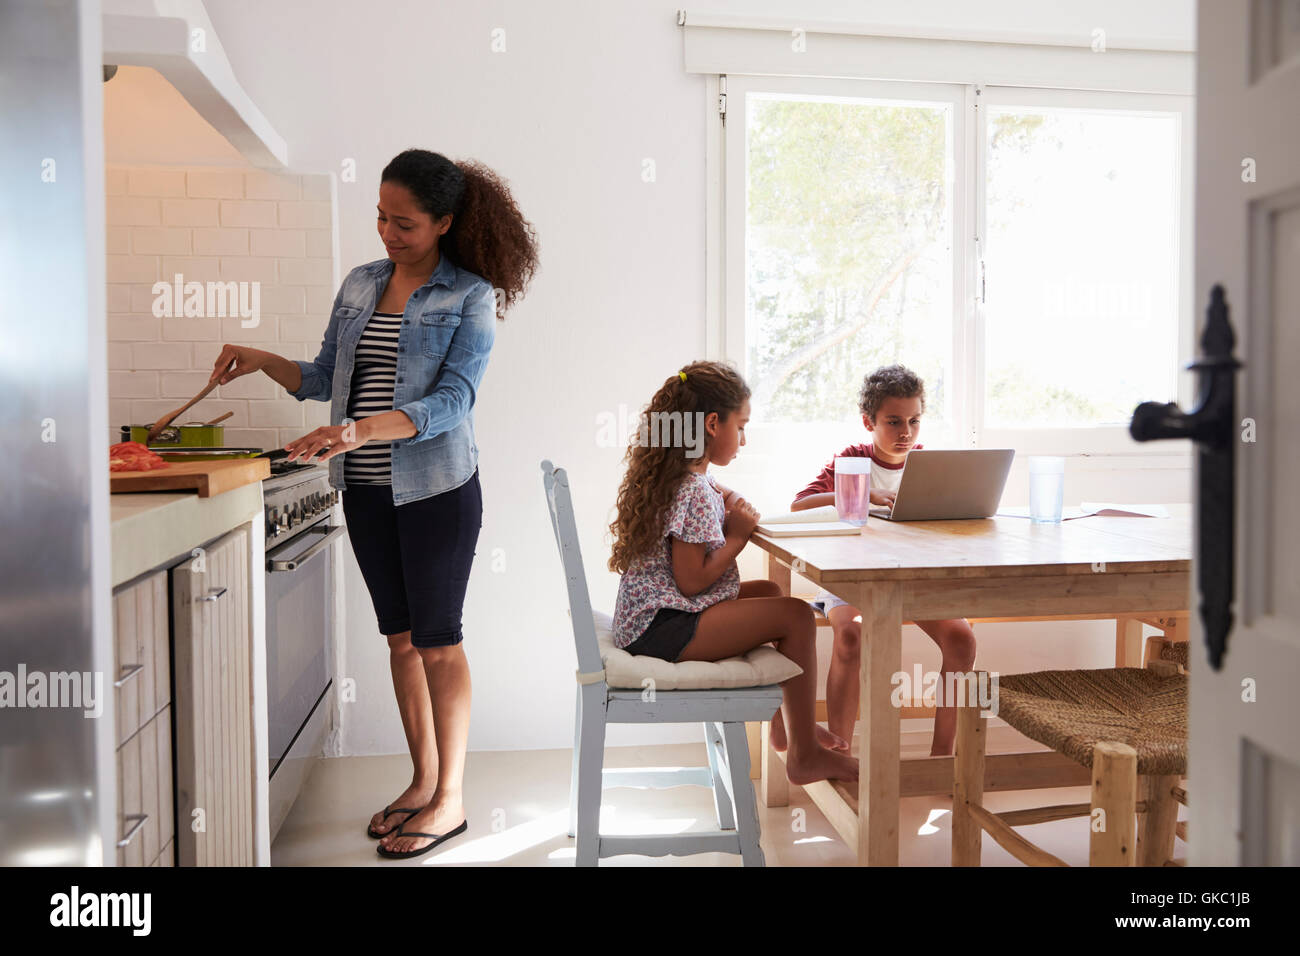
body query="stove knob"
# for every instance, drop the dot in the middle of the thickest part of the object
(273, 523)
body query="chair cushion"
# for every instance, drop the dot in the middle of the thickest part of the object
(762, 666)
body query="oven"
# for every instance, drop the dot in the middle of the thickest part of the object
(301, 527)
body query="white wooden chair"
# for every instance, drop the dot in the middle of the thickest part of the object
(722, 711)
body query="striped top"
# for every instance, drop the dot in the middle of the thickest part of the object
(373, 377)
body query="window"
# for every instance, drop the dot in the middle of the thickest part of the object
(1025, 251)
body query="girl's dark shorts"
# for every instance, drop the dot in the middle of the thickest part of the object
(415, 558)
(668, 634)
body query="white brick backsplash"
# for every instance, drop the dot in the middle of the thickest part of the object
(305, 272)
(134, 268)
(260, 215)
(316, 186)
(253, 385)
(191, 269)
(263, 438)
(132, 211)
(248, 269)
(161, 241)
(190, 212)
(183, 384)
(221, 242)
(119, 356)
(188, 328)
(142, 297)
(155, 182)
(215, 184)
(320, 244)
(134, 328)
(301, 328)
(278, 242)
(119, 298)
(261, 184)
(118, 239)
(216, 225)
(283, 299)
(266, 330)
(320, 299)
(265, 413)
(304, 215)
(133, 385)
(119, 414)
(160, 355)
(205, 355)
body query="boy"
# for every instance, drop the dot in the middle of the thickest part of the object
(891, 401)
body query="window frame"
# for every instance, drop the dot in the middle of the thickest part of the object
(727, 162)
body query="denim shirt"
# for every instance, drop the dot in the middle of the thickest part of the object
(448, 327)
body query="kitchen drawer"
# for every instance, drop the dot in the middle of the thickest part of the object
(142, 653)
(144, 786)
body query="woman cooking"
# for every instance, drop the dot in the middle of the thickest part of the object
(401, 361)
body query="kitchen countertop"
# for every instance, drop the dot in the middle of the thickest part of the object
(150, 529)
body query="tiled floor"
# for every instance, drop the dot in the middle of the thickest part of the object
(517, 806)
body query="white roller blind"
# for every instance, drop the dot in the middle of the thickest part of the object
(715, 43)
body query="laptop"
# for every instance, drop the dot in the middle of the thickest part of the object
(949, 484)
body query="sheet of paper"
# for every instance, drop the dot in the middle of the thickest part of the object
(824, 513)
(1087, 509)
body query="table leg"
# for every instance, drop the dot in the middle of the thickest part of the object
(1128, 642)
(878, 770)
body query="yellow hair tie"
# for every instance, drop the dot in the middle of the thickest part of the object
(682, 375)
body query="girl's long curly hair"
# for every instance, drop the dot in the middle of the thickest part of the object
(489, 235)
(655, 470)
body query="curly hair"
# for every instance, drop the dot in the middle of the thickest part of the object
(656, 470)
(489, 235)
(889, 381)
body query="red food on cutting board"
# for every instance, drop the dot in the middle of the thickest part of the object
(133, 456)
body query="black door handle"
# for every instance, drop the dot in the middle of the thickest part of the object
(1212, 425)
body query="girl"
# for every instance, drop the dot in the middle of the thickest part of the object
(675, 542)
(403, 355)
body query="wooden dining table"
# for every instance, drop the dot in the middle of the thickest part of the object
(1134, 570)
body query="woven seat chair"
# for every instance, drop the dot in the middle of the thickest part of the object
(1127, 724)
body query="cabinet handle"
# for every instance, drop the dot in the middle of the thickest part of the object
(213, 594)
(139, 819)
(128, 671)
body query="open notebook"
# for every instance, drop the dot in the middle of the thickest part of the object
(814, 521)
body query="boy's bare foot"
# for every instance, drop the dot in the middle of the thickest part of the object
(821, 764)
(824, 737)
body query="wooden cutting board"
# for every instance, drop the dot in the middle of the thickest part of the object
(208, 478)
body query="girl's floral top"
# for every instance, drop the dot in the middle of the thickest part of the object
(696, 516)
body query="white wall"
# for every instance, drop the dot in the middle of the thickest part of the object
(583, 92)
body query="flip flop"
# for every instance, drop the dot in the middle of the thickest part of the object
(388, 812)
(435, 837)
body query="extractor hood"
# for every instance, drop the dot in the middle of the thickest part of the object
(176, 38)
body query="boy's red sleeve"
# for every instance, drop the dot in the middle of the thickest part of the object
(825, 481)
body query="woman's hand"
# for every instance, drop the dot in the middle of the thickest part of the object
(328, 440)
(741, 519)
(883, 497)
(237, 360)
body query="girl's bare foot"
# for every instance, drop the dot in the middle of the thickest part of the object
(824, 737)
(821, 764)
(441, 815)
(412, 796)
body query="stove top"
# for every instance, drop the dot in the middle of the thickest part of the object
(297, 494)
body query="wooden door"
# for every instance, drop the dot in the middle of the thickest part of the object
(1244, 759)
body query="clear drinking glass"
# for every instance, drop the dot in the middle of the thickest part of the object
(1046, 489)
(853, 489)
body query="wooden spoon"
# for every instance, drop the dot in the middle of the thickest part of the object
(219, 419)
(156, 428)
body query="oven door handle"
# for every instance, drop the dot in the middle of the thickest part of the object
(294, 563)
